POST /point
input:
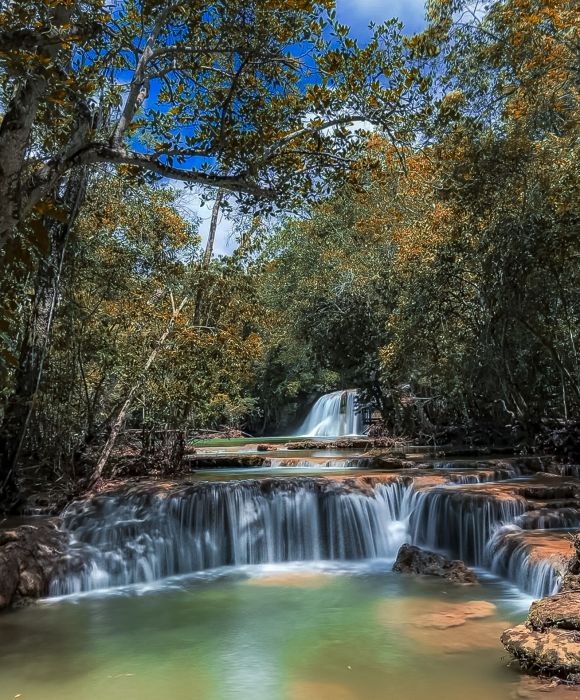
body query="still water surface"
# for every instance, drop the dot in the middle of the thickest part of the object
(290, 632)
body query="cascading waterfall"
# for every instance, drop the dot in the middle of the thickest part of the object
(125, 539)
(152, 532)
(333, 415)
(511, 558)
(460, 523)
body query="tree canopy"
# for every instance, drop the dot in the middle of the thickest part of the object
(405, 214)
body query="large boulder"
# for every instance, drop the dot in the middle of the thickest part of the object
(550, 652)
(561, 610)
(29, 555)
(549, 643)
(414, 560)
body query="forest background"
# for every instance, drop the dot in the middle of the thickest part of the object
(404, 210)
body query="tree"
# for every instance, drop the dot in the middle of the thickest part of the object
(253, 97)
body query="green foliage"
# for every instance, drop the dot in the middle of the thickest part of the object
(444, 282)
(433, 263)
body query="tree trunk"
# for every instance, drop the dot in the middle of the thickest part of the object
(207, 256)
(122, 414)
(35, 344)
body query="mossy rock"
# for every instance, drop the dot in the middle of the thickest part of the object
(551, 652)
(562, 611)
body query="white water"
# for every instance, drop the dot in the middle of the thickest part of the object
(333, 415)
(143, 536)
(512, 559)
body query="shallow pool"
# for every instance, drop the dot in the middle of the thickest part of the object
(312, 631)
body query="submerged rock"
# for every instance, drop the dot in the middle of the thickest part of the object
(441, 627)
(29, 555)
(414, 560)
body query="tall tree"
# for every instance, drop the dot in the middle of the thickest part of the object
(253, 97)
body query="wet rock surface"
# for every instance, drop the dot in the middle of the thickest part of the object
(549, 642)
(219, 461)
(29, 554)
(414, 560)
(553, 651)
(571, 580)
(444, 627)
(562, 611)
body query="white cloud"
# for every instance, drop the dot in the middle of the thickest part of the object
(361, 12)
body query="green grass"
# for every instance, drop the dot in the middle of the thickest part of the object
(235, 442)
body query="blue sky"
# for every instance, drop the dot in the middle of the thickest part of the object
(356, 14)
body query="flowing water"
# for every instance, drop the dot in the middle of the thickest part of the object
(333, 415)
(269, 588)
(152, 532)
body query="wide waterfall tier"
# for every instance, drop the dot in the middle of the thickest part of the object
(333, 415)
(143, 536)
(156, 530)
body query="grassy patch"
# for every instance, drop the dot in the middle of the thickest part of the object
(236, 442)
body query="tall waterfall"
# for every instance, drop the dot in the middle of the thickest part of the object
(333, 415)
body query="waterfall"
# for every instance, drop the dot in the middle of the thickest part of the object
(461, 523)
(131, 538)
(153, 531)
(333, 415)
(512, 558)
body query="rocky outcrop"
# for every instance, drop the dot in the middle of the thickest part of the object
(225, 461)
(549, 642)
(561, 611)
(29, 554)
(553, 652)
(414, 560)
(571, 580)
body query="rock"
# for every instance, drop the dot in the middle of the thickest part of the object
(264, 447)
(29, 555)
(218, 461)
(388, 463)
(455, 614)
(537, 688)
(570, 582)
(549, 644)
(440, 627)
(550, 652)
(413, 560)
(561, 610)
(309, 445)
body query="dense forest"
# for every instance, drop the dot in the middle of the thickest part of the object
(405, 216)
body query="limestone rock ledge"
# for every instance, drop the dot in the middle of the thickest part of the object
(549, 643)
(29, 554)
(561, 611)
(551, 652)
(414, 560)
